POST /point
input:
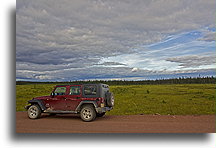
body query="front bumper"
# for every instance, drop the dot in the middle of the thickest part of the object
(103, 109)
(27, 107)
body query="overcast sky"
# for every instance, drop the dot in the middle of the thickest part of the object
(61, 40)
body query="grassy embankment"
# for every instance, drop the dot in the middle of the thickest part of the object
(175, 99)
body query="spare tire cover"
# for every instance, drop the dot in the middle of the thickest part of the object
(109, 99)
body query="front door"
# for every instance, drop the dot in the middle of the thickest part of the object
(57, 101)
(73, 98)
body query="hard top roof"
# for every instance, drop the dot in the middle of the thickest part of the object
(82, 84)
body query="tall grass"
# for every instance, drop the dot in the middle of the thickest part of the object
(27, 92)
(184, 99)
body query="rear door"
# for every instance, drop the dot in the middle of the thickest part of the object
(73, 98)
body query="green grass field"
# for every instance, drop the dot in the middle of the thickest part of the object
(175, 99)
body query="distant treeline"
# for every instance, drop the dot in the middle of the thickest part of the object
(180, 80)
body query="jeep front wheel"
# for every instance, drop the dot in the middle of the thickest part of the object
(34, 112)
(87, 113)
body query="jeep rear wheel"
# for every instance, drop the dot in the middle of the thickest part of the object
(34, 112)
(87, 113)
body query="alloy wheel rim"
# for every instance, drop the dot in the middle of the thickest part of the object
(87, 114)
(33, 112)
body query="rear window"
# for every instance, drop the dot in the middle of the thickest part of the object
(74, 90)
(90, 90)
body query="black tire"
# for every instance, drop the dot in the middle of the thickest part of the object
(109, 99)
(34, 112)
(88, 113)
(101, 114)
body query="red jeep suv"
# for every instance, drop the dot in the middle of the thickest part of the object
(88, 100)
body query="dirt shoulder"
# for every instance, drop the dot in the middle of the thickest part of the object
(116, 124)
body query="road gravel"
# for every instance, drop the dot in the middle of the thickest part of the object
(67, 123)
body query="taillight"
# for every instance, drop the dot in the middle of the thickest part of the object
(102, 102)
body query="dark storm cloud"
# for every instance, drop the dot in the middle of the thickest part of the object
(110, 64)
(210, 36)
(194, 60)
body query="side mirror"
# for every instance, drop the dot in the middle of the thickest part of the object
(52, 94)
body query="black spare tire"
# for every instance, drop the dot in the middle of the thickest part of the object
(109, 99)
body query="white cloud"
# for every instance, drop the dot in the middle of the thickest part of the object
(135, 69)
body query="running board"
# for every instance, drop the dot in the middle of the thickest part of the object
(60, 112)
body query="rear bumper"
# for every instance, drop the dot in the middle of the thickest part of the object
(103, 109)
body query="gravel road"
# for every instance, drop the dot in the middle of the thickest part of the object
(116, 124)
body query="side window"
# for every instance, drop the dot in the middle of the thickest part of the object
(60, 91)
(74, 90)
(90, 90)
